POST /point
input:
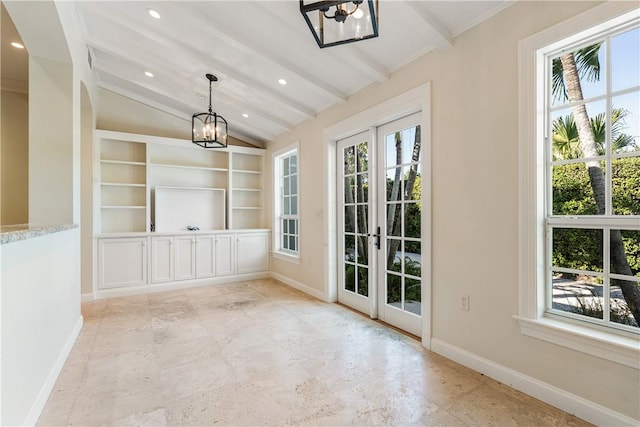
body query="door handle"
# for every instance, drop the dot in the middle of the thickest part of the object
(377, 237)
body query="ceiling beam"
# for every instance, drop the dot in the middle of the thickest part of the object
(186, 116)
(357, 59)
(442, 38)
(101, 46)
(178, 49)
(224, 32)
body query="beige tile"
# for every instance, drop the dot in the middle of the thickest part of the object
(178, 353)
(200, 375)
(260, 353)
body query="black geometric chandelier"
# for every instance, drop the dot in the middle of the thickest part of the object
(339, 22)
(209, 129)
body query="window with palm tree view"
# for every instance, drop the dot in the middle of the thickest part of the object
(592, 149)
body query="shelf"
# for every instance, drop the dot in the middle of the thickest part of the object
(122, 207)
(119, 184)
(247, 208)
(246, 171)
(247, 189)
(165, 165)
(122, 162)
(178, 187)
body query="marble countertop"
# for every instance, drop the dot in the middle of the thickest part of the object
(13, 233)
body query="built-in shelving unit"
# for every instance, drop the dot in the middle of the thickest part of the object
(123, 186)
(246, 190)
(151, 192)
(145, 180)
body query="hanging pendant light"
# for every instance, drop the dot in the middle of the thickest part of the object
(339, 22)
(209, 129)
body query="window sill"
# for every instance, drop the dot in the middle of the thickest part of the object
(612, 347)
(294, 259)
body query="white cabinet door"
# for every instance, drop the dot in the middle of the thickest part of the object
(122, 262)
(185, 247)
(162, 259)
(253, 252)
(224, 256)
(205, 256)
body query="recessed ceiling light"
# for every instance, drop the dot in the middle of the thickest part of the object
(153, 13)
(148, 74)
(282, 82)
(17, 45)
(245, 115)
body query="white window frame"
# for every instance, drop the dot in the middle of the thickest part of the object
(532, 52)
(278, 251)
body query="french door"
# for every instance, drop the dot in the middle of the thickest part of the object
(380, 223)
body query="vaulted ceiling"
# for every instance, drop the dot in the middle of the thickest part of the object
(249, 46)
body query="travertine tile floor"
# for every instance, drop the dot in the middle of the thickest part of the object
(260, 353)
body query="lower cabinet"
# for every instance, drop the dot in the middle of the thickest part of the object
(185, 267)
(225, 259)
(122, 262)
(162, 259)
(125, 261)
(253, 252)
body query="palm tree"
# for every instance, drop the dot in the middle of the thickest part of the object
(566, 141)
(566, 73)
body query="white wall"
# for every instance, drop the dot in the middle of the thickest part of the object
(40, 290)
(40, 320)
(474, 158)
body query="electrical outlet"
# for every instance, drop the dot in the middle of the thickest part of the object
(464, 302)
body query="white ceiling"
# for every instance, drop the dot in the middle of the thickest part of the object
(249, 45)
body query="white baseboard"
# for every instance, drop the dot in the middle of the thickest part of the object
(172, 286)
(568, 402)
(38, 405)
(299, 286)
(87, 297)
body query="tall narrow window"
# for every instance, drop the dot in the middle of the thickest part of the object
(286, 215)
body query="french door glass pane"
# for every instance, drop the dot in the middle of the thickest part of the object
(412, 259)
(349, 189)
(394, 290)
(350, 277)
(394, 184)
(412, 218)
(349, 160)
(363, 281)
(294, 205)
(363, 157)
(349, 248)
(394, 255)
(412, 295)
(394, 219)
(350, 219)
(363, 250)
(362, 195)
(363, 211)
